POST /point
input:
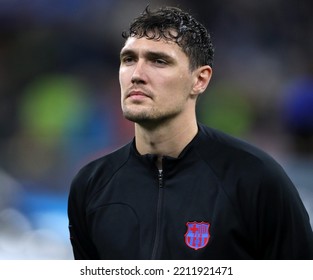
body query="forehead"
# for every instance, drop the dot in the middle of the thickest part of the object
(144, 44)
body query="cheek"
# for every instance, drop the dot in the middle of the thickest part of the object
(182, 84)
(122, 77)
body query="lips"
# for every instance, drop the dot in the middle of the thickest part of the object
(137, 94)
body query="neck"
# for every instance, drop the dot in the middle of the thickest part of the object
(165, 140)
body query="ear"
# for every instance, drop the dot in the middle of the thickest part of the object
(202, 77)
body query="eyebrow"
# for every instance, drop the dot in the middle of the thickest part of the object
(127, 53)
(149, 55)
(157, 55)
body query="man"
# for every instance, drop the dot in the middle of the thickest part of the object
(181, 190)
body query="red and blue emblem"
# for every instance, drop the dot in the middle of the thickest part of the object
(197, 235)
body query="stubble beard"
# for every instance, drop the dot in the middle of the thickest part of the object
(150, 117)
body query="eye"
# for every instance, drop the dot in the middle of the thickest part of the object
(127, 60)
(160, 62)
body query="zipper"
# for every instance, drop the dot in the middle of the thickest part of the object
(158, 216)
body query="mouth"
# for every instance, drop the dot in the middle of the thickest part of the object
(137, 94)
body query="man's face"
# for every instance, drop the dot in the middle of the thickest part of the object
(155, 79)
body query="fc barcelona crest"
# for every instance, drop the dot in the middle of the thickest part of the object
(197, 235)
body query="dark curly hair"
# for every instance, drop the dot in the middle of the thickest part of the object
(189, 34)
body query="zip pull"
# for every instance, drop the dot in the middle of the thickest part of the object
(160, 176)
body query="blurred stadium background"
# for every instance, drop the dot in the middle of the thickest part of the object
(59, 99)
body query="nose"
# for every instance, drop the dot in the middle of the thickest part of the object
(139, 75)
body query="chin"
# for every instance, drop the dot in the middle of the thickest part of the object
(137, 117)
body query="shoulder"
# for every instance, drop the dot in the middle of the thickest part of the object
(245, 172)
(250, 177)
(102, 169)
(225, 152)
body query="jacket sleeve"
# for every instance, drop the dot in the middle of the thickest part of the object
(283, 226)
(83, 247)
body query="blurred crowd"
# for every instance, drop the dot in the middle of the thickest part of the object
(60, 108)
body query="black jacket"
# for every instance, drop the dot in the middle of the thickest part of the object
(220, 199)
